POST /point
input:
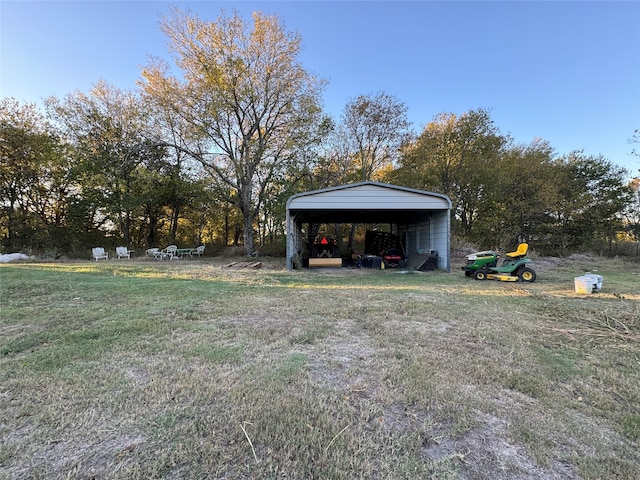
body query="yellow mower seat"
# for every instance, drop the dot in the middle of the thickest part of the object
(520, 252)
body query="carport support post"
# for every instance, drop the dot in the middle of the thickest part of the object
(294, 235)
(290, 242)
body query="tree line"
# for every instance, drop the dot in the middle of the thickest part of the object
(210, 149)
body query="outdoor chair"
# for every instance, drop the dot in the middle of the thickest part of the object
(123, 252)
(151, 252)
(99, 253)
(170, 252)
(198, 251)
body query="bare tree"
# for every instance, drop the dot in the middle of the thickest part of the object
(376, 127)
(635, 140)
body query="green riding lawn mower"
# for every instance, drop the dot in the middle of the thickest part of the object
(515, 267)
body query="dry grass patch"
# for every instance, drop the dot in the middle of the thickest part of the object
(190, 370)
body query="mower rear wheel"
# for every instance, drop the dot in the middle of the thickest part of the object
(480, 275)
(526, 275)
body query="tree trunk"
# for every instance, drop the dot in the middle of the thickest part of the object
(352, 234)
(247, 221)
(174, 222)
(226, 225)
(248, 215)
(12, 223)
(152, 232)
(127, 229)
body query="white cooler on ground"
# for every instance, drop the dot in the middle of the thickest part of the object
(588, 283)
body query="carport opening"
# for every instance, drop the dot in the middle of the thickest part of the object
(371, 246)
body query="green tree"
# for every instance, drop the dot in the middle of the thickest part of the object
(245, 99)
(517, 199)
(591, 196)
(109, 129)
(36, 179)
(457, 156)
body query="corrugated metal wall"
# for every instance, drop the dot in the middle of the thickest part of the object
(441, 238)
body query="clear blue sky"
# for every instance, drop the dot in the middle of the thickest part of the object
(566, 72)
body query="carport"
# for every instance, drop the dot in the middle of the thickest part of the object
(420, 218)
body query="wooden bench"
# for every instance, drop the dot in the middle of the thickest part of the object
(325, 262)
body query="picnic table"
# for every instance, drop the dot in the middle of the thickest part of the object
(172, 251)
(181, 252)
(199, 251)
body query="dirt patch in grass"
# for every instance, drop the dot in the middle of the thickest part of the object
(487, 451)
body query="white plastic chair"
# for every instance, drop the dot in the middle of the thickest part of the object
(99, 253)
(170, 252)
(123, 252)
(198, 251)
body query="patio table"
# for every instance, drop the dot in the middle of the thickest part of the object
(181, 252)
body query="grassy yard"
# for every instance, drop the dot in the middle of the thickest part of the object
(127, 370)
